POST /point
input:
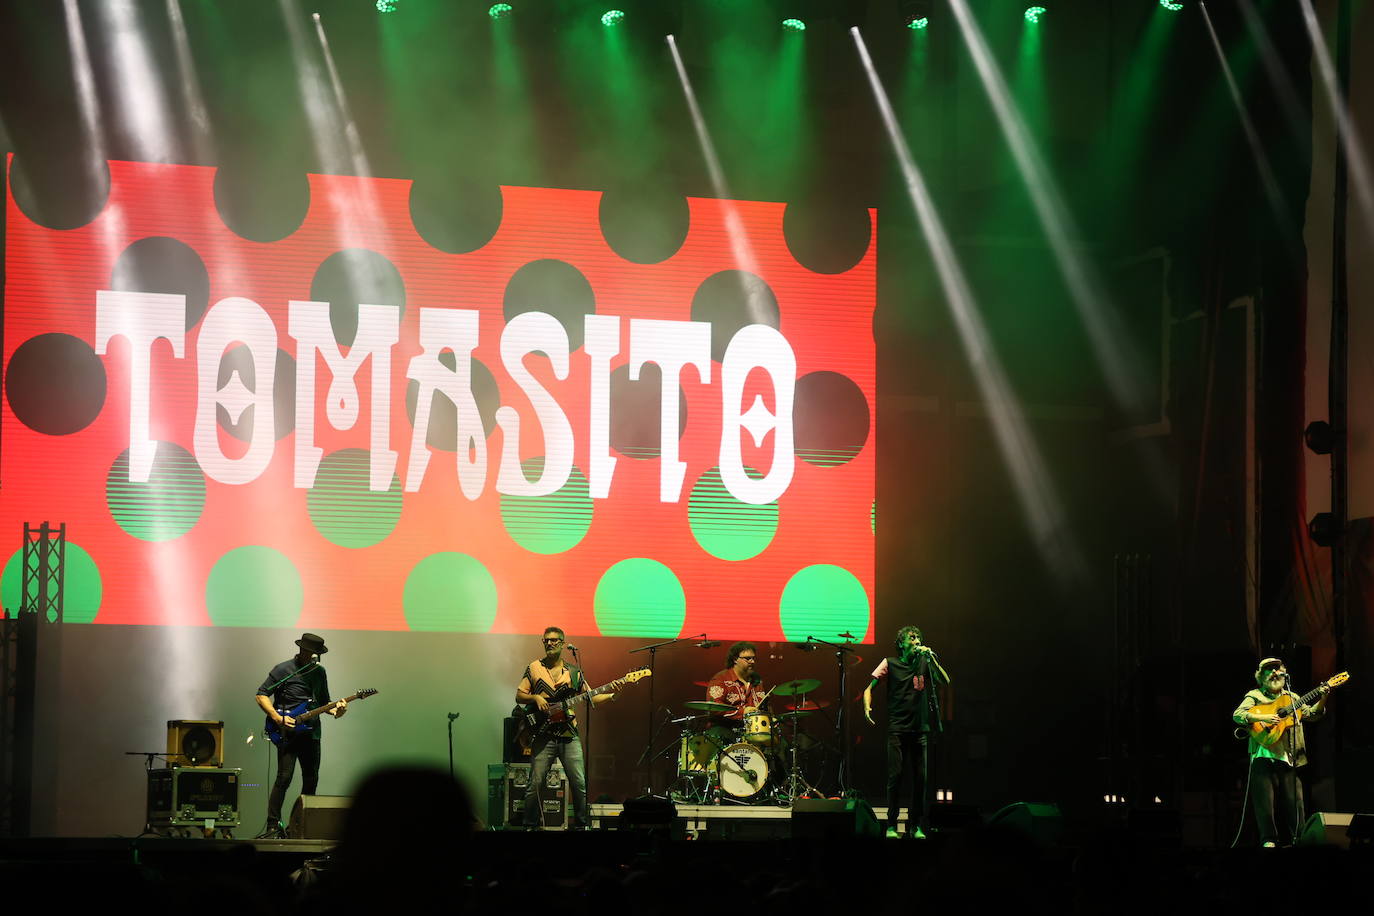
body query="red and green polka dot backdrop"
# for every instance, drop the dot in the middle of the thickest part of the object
(184, 548)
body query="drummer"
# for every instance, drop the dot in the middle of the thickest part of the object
(738, 684)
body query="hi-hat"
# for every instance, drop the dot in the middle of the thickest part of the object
(708, 706)
(808, 706)
(794, 714)
(800, 685)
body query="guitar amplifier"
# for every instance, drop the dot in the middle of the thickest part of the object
(194, 797)
(506, 785)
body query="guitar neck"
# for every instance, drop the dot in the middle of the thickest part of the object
(584, 696)
(319, 710)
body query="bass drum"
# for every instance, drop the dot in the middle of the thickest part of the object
(743, 771)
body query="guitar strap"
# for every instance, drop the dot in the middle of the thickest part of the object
(313, 664)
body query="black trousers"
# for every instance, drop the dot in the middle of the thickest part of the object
(305, 750)
(908, 752)
(1276, 798)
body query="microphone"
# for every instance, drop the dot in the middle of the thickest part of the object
(707, 644)
(805, 646)
(570, 647)
(751, 776)
(453, 715)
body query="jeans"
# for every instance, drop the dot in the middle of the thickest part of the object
(910, 752)
(307, 751)
(542, 755)
(1276, 797)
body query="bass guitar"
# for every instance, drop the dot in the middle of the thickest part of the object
(534, 722)
(305, 718)
(1289, 710)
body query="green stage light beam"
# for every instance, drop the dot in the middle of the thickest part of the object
(918, 24)
(1118, 361)
(1035, 490)
(1135, 99)
(612, 18)
(793, 25)
(1034, 14)
(387, 6)
(1172, 6)
(500, 11)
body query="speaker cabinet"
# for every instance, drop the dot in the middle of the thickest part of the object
(318, 817)
(1041, 821)
(1334, 828)
(829, 818)
(195, 743)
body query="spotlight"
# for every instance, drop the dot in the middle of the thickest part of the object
(387, 6)
(1172, 6)
(612, 17)
(1034, 13)
(500, 11)
(793, 25)
(916, 14)
(1320, 437)
(1323, 529)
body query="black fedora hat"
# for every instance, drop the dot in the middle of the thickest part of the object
(312, 643)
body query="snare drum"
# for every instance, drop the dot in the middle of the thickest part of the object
(758, 729)
(743, 771)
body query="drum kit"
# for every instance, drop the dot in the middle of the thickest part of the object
(744, 760)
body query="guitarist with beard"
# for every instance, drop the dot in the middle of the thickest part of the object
(296, 680)
(544, 679)
(1275, 793)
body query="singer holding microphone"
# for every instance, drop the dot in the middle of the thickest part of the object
(1275, 793)
(913, 716)
(296, 681)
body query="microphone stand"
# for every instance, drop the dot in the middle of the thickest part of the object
(652, 649)
(586, 744)
(842, 711)
(451, 717)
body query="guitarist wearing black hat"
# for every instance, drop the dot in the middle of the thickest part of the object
(296, 681)
(546, 678)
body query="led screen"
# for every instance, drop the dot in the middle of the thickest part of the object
(354, 427)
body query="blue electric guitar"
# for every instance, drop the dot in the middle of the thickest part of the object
(304, 719)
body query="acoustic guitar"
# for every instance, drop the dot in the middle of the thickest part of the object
(1289, 710)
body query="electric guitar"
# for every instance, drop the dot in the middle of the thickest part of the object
(534, 722)
(1289, 710)
(305, 719)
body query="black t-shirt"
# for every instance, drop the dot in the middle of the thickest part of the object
(312, 687)
(910, 695)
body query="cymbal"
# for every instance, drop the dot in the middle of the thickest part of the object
(795, 714)
(701, 683)
(808, 706)
(800, 685)
(708, 706)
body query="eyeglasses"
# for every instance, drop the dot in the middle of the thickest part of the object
(549, 642)
(746, 658)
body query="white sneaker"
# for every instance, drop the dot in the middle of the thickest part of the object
(918, 833)
(892, 833)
